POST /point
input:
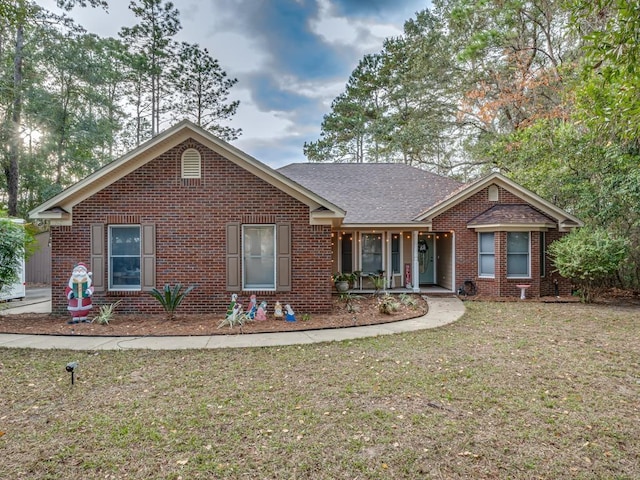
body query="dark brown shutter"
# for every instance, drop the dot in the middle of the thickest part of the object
(234, 281)
(148, 270)
(283, 257)
(97, 257)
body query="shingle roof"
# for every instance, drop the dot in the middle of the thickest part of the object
(511, 215)
(373, 193)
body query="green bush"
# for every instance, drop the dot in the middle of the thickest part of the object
(590, 257)
(105, 314)
(12, 242)
(170, 299)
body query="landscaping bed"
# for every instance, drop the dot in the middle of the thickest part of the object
(364, 311)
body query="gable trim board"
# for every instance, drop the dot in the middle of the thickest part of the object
(59, 209)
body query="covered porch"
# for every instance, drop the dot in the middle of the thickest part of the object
(416, 261)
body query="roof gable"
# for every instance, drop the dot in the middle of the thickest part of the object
(59, 209)
(564, 220)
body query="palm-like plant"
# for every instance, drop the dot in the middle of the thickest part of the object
(171, 298)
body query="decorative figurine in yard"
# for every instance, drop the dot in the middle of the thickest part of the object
(290, 316)
(261, 313)
(234, 299)
(277, 310)
(79, 291)
(253, 307)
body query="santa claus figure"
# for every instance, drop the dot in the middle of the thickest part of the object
(78, 292)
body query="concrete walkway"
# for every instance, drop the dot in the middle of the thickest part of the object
(442, 311)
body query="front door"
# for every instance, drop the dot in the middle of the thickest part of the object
(425, 259)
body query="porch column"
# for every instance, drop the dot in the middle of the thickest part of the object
(415, 266)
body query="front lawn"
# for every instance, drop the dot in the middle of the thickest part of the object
(512, 390)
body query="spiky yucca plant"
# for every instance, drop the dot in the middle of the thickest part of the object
(171, 298)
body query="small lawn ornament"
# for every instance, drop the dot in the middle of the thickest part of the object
(277, 310)
(234, 299)
(290, 316)
(78, 292)
(234, 318)
(253, 307)
(261, 314)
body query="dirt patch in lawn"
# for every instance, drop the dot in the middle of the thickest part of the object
(364, 310)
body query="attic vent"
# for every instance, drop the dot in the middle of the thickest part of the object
(493, 193)
(191, 164)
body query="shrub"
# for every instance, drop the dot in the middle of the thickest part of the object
(387, 304)
(106, 313)
(170, 299)
(589, 257)
(12, 241)
(408, 300)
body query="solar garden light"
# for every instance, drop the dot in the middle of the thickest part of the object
(71, 368)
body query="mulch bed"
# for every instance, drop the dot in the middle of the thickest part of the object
(367, 313)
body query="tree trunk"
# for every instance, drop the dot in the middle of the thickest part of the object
(16, 114)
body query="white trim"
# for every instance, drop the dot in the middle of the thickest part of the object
(497, 227)
(480, 274)
(515, 277)
(110, 285)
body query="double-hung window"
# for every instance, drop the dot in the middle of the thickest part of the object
(124, 257)
(486, 255)
(259, 259)
(371, 252)
(518, 254)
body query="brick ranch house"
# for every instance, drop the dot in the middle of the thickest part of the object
(188, 207)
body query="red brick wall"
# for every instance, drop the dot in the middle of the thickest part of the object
(456, 219)
(190, 224)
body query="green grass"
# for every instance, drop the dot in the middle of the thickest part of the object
(512, 390)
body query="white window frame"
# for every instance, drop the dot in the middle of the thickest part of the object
(259, 287)
(482, 253)
(117, 288)
(382, 251)
(528, 253)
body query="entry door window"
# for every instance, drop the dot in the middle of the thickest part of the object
(371, 252)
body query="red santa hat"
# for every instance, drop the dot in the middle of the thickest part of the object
(83, 265)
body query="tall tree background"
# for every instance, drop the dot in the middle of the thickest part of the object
(544, 91)
(71, 101)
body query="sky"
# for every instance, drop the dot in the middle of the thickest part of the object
(291, 57)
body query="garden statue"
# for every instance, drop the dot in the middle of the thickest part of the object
(234, 299)
(277, 310)
(261, 313)
(253, 307)
(290, 316)
(79, 291)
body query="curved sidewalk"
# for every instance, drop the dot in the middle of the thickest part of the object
(442, 310)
